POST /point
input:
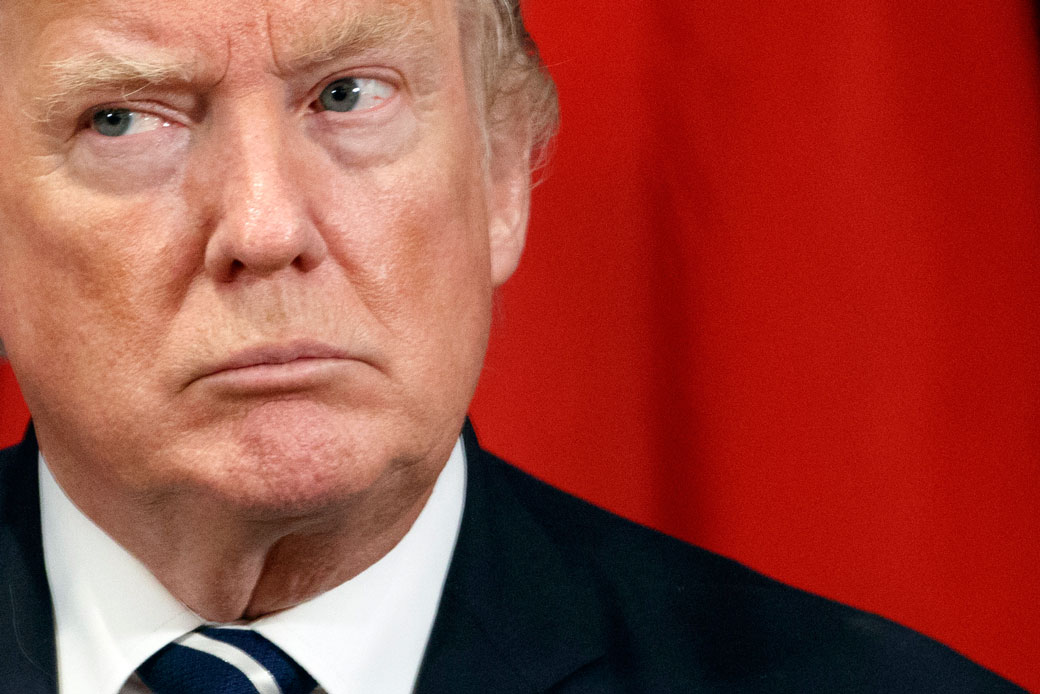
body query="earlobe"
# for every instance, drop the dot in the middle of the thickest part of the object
(507, 236)
(505, 252)
(507, 223)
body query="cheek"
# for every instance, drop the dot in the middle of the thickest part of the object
(412, 235)
(414, 245)
(79, 269)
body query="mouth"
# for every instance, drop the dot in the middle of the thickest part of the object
(281, 367)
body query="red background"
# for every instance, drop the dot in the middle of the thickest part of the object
(781, 298)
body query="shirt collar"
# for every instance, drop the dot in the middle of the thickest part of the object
(367, 634)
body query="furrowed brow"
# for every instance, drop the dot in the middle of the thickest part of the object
(108, 72)
(393, 25)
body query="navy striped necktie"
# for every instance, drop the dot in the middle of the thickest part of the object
(223, 660)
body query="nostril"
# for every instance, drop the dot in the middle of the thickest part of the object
(305, 262)
(235, 268)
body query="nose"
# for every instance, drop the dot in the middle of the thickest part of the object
(262, 224)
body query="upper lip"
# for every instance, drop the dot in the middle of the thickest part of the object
(275, 354)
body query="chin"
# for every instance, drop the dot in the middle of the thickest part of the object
(297, 459)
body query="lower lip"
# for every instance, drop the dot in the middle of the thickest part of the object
(295, 375)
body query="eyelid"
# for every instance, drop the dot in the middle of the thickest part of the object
(140, 108)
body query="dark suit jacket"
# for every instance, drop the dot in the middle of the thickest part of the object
(548, 594)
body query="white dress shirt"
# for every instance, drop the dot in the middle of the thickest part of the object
(366, 635)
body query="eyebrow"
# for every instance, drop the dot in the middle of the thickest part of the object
(396, 25)
(101, 70)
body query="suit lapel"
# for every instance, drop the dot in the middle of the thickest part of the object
(515, 617)
(27, 650)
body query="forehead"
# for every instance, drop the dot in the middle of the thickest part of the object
(213, 33)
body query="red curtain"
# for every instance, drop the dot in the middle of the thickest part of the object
(782, 298)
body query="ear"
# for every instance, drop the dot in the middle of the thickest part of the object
(509, 181)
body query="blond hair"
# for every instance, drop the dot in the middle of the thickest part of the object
(515, 87)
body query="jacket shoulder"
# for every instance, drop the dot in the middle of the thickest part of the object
(678, 611)
(27, 649)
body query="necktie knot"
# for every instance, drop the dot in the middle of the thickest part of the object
(224, 660)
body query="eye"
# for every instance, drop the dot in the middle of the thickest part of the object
(354, 94)
(118, 122)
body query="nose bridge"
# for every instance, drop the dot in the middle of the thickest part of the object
(255, 166)
(262, 224)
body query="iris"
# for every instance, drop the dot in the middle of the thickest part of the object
(113, 122)
(341, 95)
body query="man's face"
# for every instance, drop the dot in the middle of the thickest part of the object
(244, 245)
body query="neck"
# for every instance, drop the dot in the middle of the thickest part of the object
(243, 571)
(228, 565)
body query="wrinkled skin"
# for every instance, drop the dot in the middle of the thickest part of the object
(153, 283)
